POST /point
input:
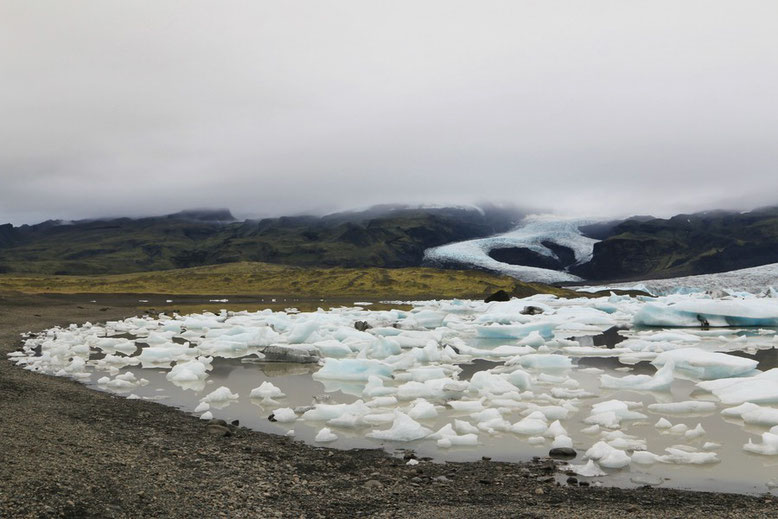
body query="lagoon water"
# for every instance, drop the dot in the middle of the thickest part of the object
(735, 470)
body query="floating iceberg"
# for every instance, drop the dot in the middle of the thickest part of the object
(706, 365)
(660, 381)
(403, 429)
(353, 369)
(694, 312)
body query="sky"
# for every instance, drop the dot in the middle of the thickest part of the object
(596, 108)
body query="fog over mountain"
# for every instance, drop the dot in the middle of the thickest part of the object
(585, 108)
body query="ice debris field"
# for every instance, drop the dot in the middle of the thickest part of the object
(678, 390)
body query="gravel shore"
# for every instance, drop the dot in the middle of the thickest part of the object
(70, 451)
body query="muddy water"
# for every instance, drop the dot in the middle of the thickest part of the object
(738, 471)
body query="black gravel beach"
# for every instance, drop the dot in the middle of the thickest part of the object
(70, 451)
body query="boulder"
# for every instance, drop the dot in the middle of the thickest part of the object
(562, 453)
(362, 326)
(500, 295)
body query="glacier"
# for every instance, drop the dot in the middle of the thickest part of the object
(530, 234)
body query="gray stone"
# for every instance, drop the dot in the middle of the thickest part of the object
(562, 453)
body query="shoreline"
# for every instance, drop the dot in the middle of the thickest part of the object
(67, 450)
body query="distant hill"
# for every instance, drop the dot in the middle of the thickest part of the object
(686, 244)
(384, 236)
(641, 247)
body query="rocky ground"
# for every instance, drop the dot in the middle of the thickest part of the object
(70, 451)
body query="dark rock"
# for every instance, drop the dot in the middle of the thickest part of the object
(362, 326)
(572, 480)
(562, 453)
(272, 417)
(236, 423)
(500, 295)
(528, 258)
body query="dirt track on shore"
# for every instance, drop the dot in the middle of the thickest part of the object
(70, 451)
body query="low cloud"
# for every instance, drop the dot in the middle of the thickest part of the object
(597, 108)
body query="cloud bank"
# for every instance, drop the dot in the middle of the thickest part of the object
(587, 108)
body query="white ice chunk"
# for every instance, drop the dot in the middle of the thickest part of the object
(267, 390)
(588, 470)
(687, 407)
(404, 429)
(325, 435)
(608, 456)
(692, 311)
(284, 415)
(422, 410)
(353, 369)
(660, 381)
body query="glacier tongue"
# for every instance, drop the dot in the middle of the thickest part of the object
(531, 234)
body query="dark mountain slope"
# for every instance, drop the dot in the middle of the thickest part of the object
(701, 243)
(379, 237)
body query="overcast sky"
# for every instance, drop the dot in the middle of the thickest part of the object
(115, 107)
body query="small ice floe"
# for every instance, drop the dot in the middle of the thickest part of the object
(447, 437)
(535, 424)
(124, 382)
(611, 413)
(190, 374)
(761, 388)
(421, 409)
(694, 433)
(590, 469)
(681, 408)
(706, 365)
(266, 391)
(769, 445)
(608, 456)
(325, 435)
(219, 398)
(403, 429)
(284, 415)
(660, 381)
